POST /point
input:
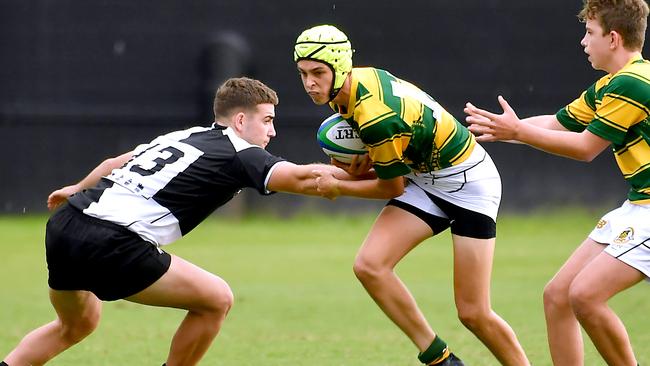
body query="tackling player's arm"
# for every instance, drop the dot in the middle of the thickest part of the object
(302, 179)
(294, 178)
(61, 195)
(376, 188)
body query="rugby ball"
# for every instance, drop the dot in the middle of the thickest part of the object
(339, 140)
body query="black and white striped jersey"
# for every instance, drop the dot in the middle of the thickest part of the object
(176, 181)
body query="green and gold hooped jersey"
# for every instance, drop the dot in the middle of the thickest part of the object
(617, 108)
(403, 127)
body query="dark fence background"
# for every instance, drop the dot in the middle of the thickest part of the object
(86, 80)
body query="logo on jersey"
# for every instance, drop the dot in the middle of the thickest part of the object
(601, 224)
(625, 236)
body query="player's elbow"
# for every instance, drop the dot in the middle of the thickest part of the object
(586, 156)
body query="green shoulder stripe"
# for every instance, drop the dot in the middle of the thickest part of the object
(631, 87)
(362, 94)
(393, 102)
(590, 96)
(634, 75)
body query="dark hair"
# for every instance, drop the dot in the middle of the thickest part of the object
(238, 94)
(629, 18)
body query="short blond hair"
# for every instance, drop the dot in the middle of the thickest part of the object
(629, 18)
(243, 93)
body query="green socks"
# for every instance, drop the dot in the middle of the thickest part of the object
(436, 352)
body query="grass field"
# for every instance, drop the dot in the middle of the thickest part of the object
(297, 301)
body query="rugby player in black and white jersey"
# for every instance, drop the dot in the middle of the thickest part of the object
(106, 242)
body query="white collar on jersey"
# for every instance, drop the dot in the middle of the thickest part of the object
(238, 142)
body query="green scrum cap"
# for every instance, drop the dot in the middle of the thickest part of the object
(326, 44)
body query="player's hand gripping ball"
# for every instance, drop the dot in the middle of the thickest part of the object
(339, 140)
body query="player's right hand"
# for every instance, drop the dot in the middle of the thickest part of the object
(359, 165)
(60, 196)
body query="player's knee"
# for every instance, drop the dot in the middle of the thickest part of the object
(473, 316)
(73, 332)
(367, 270)
(221, 298)
(555, 296)
(582, 300)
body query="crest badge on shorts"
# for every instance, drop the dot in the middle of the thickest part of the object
(625, 236)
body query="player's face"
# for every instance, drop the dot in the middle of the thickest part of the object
(596, 44)
(316, 79)
(257, 126)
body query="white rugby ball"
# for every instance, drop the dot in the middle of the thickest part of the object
(339, 140)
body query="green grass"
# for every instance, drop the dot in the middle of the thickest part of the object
(297, 301)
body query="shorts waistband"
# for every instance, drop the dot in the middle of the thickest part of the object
(96, 221)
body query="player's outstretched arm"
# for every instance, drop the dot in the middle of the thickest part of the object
(366, 188)
(293, 178)
(584, 146)
(474, 118)
(61, 195)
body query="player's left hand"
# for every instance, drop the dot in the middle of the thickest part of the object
(327, 184)
(60, 196)
(359, 165)
(493, 127)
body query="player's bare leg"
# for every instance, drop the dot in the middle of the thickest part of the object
(564, 335)
(600, 280)
(472, 274)
(78, 314)
(393, 235)
(207, 299)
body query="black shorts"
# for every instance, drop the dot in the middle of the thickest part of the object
(462, 221)
(86, 253)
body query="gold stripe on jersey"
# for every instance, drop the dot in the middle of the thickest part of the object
(629, 101)
(609, 122)
(378, 119)
(579, 115)
(411, 110)
(627, 146)
(385, 157)
(465, 151)
(443, 137)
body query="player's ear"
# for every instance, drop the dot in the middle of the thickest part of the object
(616, 40)
(238, 121)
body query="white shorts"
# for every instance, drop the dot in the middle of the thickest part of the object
(465, 197)
(626, 232)
(474, 185)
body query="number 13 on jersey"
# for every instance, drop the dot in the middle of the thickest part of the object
(154, 165)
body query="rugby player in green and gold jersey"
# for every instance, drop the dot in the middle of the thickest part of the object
(434, 175)
(614, 111)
